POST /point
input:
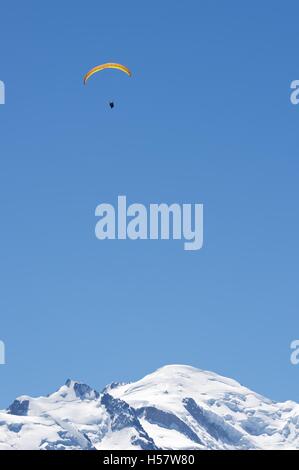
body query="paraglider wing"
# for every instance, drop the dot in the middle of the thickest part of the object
(109, 65)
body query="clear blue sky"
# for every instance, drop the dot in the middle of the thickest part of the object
(206, 118)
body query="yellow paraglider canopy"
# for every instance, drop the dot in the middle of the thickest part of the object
(109, 65)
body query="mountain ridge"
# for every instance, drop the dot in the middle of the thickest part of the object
(175, 407)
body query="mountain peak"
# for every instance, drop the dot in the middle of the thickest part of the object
(82, 390)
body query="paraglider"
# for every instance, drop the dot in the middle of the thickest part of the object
(108, 65)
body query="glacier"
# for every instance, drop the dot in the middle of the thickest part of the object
(177, 407)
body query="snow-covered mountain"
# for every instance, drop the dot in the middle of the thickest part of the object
(176, 407)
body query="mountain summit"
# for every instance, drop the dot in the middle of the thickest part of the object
(176, 407)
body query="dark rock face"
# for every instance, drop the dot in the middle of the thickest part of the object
(168, 421)
(19, 408)
(123, 416)
(83, 391)
(15, 427)
(216, 426)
